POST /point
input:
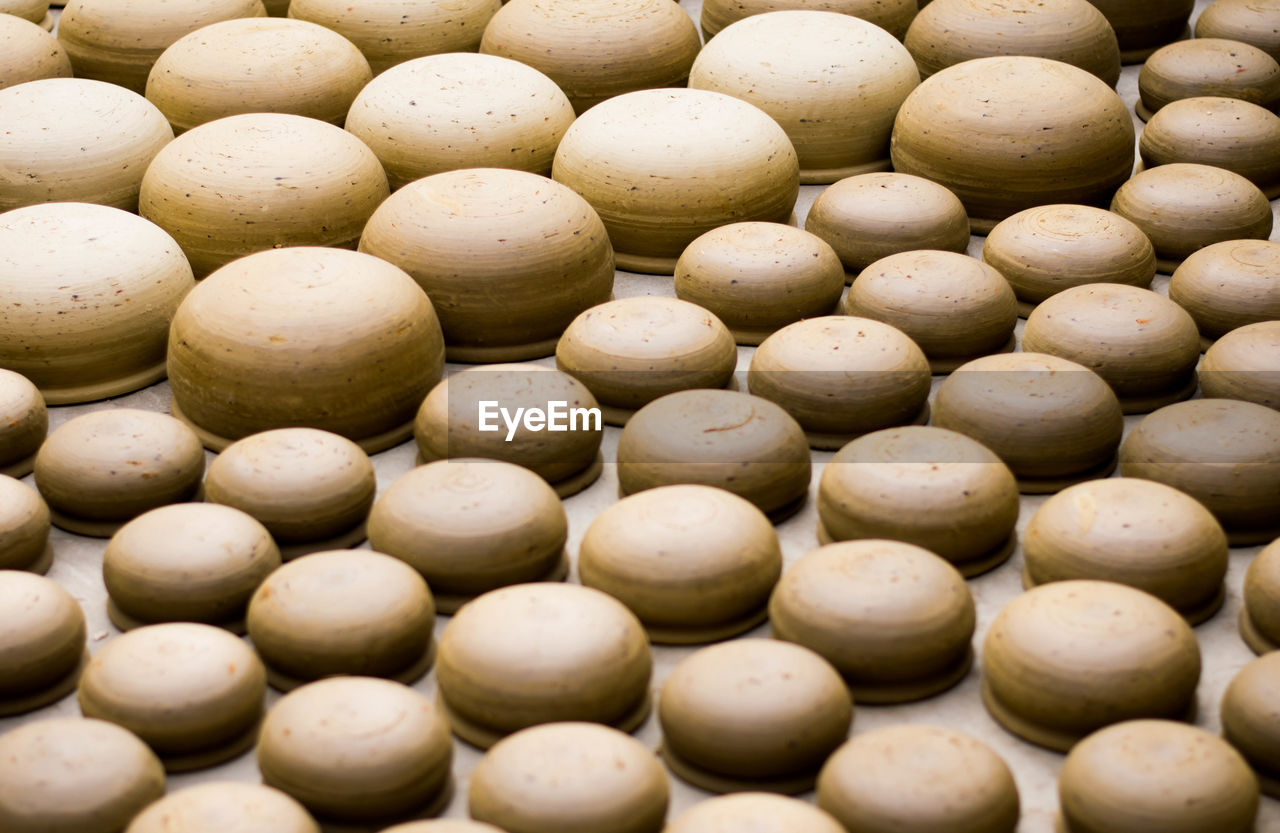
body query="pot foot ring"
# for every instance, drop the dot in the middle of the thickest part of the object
(914, 691)
(447, 604)
(206, 758)
(483, 737)
(722, 784)
(972, 567)
(371, 445)
(1252, 637)
(342, 541)
(835, 442)
(1052, 485)
(702, 635)
(23, 703)
(432, 808)
(126, 622)
(281, 681)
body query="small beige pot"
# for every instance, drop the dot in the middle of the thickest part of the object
(1228, 285)
(308, 337)
(894, 16)
(24, 528)
(1250, 723)
(1223, 452)
(29, 52)
(193, 693)
(542, 653)
(833, 82)
(33, 11)
(1255, 22)
(259, 181)
(1006, 134)
(118, 41)
(43, 629)
(75, 140)
(955, 307)
(752, 715)
(766, 813)
(1207, 67)
(876, 783)
(211, 808)
(1072, 31)
(1244, 364)
(24, 422)
(257, 65)
(390, 32)
(358, 753)
(1143, 26)
(663, 167)
(926, 486)
(1044, 250)
(869, 217)
(1260, 618)
(1223, 132)
(87, 294)
(460, 110)
(760, 277)
(509, 258)
(597, 49)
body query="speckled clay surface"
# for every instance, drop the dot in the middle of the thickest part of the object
(1255, 22)
(30, 53)
(42, 643)
(34, 11)
(1250, 722)
(1207, 66)
(24, 422)
(1224, 132)
(1228, 285)
(24, 528)
(217, 807)
(894, 16)
(1244, 364)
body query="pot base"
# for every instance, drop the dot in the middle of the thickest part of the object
(42, 563)
(447, 604)
(126, 623)
(1252, 537)
(82, 526)
(835, 442)
(464, 354)
(619, 416)
(192, 761)
(911, 692)
(943, 366)
(434, 807)
(1149, 402)
(1194, 616)
(95, 391)
(21, 468)
(371, 445)
(281, 681)
(704, 634)
(753, 338)
(23, 703)
(567, 487)
(1252, 637)
(1167, 266)
(826, 176)
(722, 784)
(1050, 485)
(970, 568)
(342, 541)
(483, 737)
(650, 265)
(1138, 56)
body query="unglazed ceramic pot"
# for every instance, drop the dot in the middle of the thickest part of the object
(760, 277)
(955, 307)
(42, 644)
(1255, 22)
(1071, 31)
(1207, 67)
(694, 563)
(1044, 250)
(631, 351)
(547, 779)
(1223, 132)
(1228, 285)
(1260, 618)
(1144, 345)
(460, 110)
(390, 32)
(833, 82)
(731, 440)
(894, 619)
(470, 526)
(1053, 421)
(1143, 26)
(1068, 658)
(530, 415)
(24, 420)
(72, 139)
(752, 714)
(343, 612)
(842, 377)
(193, 693)
(919, 779)
(663, 167)
(894, 16)
(104, 468)
(33, 11)
(597, 49)
(255, 65)
(868, 217)
(311, 489)
(1009, 133)
(509, 258)
(926, 486)
(86, 296)
(226, 554)
(310, 337)
(1115, 780)
(1244, 364)
(1136, 532)
(119, 40)
(217, 807)
(116, 776)
(24, 528)
(29, 52)
(542, 653)
(1223, 452)
(258, 181)
(358, 752)
(1250, 723)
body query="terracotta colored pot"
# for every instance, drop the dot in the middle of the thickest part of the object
(24, 528)
(24, 421)
(1244, 364)
(119, 40)
(483, 112)
(257, 66)
(390, 32)
(665, 166)
(597, 49)
(88, 292)
(1255, 22)
(1071, 31)
(1250, 724)
(833, 82)
(509, 258)
(29, 52)
(1143, 26)
(1207, 67)
(260, 181)
(1007, 134)
(1228, 285)
(310, 337)
(1223, 132)
(44, 643)
(1260, 618)
(205, 808)
(74, 140)
(894, 16)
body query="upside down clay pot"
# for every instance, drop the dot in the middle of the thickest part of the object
(894, 16)
(215, 808)
(1223, 132)
(1255, 22)
(30, 53)
(24, 422)
(1260, 618)
(1143, 26)
(1228, 285)
(1068, 658)
(1250, 723)
(42, 643)
(1207, 66)
(24, 528)
(1244, 364)
(33, 11)
(665, 166)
